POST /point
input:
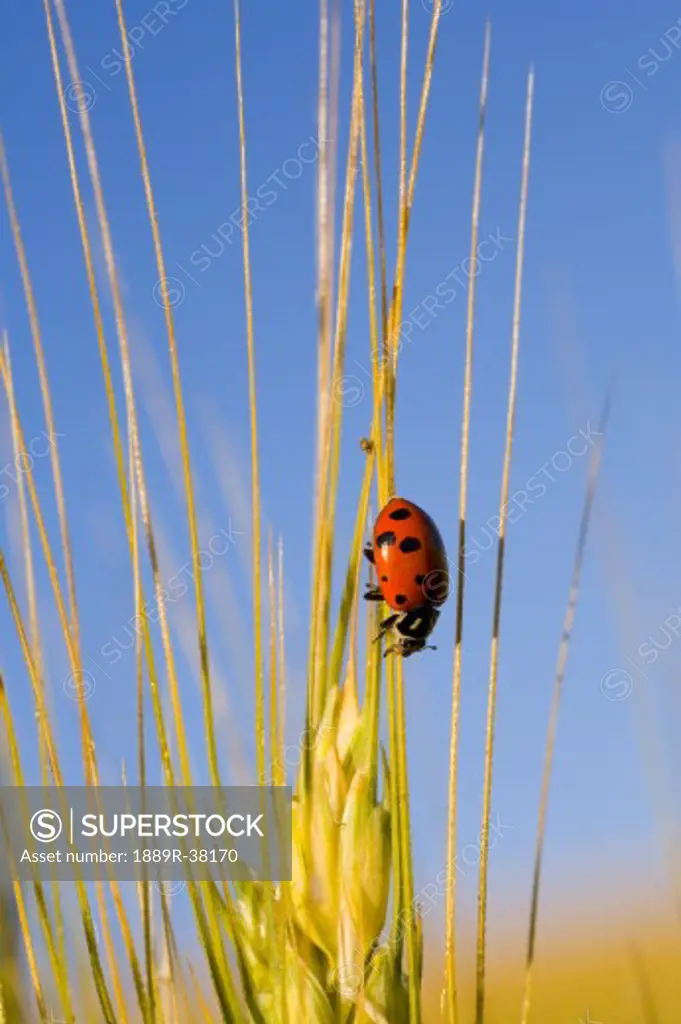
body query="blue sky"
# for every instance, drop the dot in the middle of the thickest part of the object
(600, 294)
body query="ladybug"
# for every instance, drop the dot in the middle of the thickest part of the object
(411, 565)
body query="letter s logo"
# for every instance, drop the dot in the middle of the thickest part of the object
(46, 826)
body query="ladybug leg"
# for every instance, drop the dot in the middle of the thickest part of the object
(386, 625)
(372, 592)
(395, 649)
(407, 647)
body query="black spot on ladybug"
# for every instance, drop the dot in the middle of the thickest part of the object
(388, 538)
(410, 544)
(419, 579)
(384, 579)
(401, 599)
(400, 513)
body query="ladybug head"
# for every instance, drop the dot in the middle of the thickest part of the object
(413, 629)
